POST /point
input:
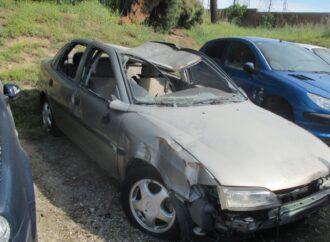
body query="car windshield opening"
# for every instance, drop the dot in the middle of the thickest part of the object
(197, 84)
(283, 56)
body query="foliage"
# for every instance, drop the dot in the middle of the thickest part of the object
(267, 20)
(310, 34)
(235, 13)
(173, 13)
(165, 16)
(113, 4)
(191, 14)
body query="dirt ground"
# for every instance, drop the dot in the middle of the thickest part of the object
(77, 201)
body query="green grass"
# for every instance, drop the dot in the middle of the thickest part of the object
(60, 23)
(311, 34)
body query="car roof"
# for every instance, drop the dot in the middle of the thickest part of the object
(310, 47)
(165, 55)
(250, 39)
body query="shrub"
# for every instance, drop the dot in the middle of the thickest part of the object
(164, 16)
(174, 13)
(267, 20)
(191, 14)
(235, 13)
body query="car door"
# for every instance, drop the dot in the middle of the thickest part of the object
(97, 88)
(63, 85)
(238, 54)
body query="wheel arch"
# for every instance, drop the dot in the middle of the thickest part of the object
(278, 98)
(42, 97)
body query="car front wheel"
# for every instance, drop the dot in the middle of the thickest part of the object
(147, 204)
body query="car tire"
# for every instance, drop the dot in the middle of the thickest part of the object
(280, 107)
(145, 200)
(48, 120)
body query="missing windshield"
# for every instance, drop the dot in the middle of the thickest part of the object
(196, 84)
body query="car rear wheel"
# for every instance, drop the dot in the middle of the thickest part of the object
(147, 204)
(48, 120)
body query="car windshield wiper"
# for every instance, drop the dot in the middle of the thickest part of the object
(156, 103)
(211, 101)
(321, 72)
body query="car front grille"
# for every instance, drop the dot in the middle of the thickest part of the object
(297, 193)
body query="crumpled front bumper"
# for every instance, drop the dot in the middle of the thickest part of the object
(284, 214)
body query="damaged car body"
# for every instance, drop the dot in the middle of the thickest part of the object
(193, 154)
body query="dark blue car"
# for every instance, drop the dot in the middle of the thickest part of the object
(279, 76)
(17, 203)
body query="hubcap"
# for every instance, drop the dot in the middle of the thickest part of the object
(46, 116)
(151, 207)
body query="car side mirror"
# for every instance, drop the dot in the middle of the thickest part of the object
(118, 105)
(249, 68)
(11, 91)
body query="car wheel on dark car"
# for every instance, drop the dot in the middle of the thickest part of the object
(48, 120)
(147, 204)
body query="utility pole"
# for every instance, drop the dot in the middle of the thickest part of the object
(285, 5)
(214, 10)
(270, 5)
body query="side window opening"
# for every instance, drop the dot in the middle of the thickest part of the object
(196, 83)
(238, 55)
(99, 76)
(70, 61)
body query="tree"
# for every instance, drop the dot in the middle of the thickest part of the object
(214, 10)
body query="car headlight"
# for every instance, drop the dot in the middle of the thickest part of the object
(246, 199)
(4, 230)
(322, 102)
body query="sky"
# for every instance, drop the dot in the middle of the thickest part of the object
(293, 5)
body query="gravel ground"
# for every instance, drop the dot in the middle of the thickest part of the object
(77, 201)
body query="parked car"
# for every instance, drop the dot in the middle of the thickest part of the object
(323, 53)
(17, 203)
(191, 151)
(279, 76)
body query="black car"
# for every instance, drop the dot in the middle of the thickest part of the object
(17, 203)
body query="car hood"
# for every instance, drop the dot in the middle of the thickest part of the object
(244, 145)
(310, 81)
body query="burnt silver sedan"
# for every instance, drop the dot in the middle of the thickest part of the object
(192, 153)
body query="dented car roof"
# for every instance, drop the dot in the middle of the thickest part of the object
(167, 56)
